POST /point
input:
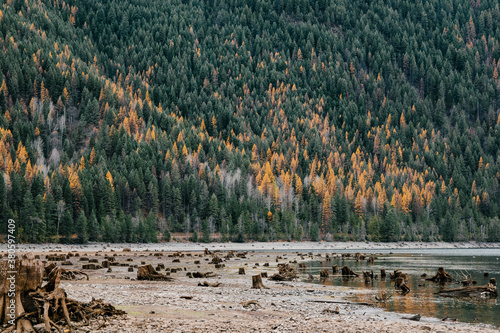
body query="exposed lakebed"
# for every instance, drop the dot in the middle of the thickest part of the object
(422, 298)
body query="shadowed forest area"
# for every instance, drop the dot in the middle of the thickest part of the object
(128, 121)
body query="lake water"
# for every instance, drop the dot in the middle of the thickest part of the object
(422, 298)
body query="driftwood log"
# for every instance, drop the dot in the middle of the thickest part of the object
(147, 272)
(31, 303)
(254, 303)
(489, 290)
(441, 276)
(200, 275)
(206, 284)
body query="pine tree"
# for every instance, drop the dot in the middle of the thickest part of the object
(93, 228)
(82, 229)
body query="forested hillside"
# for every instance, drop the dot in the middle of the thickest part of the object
(131, 120)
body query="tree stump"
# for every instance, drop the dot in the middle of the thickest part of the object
(257, 282)
(324, 273)
(346, 271)
(335, 269)
(382, 274)
(368, 276)
(241, 271)
(26, 276)
(441, 276)
(147, 272)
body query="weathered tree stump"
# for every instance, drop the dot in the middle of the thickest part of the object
(147, 272)
(324, 273)
(215, 260)
(346, 271)
(17, 279)
(368, 276)
(382, 274)
(257, 282)
(286, 273)
(335, 269)
(241, 271)
(398, 273)
(29, 303)
(441, 276)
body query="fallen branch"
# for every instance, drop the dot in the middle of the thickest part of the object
(206, 284)
(489, 289)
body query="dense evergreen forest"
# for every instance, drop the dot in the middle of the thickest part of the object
(132, 120)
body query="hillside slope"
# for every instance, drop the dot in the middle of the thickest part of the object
(265, 120)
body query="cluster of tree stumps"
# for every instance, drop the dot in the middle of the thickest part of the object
(25, 301)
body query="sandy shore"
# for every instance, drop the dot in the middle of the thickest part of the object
(283, 307)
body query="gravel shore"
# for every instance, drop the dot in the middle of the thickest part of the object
(183, 306)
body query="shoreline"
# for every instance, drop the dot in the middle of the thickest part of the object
(254, 246)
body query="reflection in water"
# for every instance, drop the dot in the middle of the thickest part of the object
(422, 298)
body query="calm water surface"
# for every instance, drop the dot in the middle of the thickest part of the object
(422, 298)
